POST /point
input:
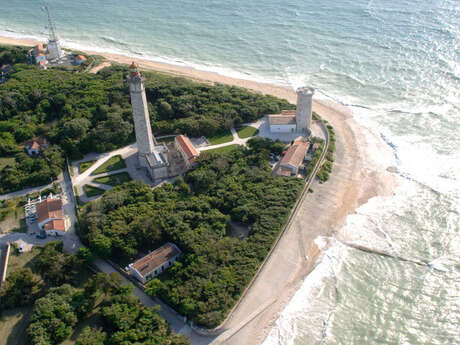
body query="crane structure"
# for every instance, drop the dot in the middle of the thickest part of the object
(54, 48)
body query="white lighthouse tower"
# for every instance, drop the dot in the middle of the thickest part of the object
(144, 137)
(304, 109)
(151, 156)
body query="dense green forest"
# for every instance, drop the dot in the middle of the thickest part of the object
(197, 214)
(64, 294)
(81, 113)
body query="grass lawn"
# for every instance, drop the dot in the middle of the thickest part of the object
(13, 326)
(247, 132)
(92, 191)
(12, 217)
(82, 167)
(25, 259)
(223, 149)
(7, 161)
(114, 163)
(114, 180)
(221, 138)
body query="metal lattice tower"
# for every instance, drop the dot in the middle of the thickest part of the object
(51, 26)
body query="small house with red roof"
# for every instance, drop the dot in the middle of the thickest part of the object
(293, 159)
(50, 217)
(187, 150)
(79, 59)
(35, 146)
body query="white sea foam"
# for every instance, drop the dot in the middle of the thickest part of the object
(315, 295)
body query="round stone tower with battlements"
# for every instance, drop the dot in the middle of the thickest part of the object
(144, 137)
(304, 108)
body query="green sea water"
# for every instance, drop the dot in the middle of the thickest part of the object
(396, 65)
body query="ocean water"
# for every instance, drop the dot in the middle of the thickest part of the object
(396, 64)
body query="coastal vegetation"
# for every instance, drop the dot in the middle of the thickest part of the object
(81, 112)
(56, 293)
(194, 213)
(326, 167)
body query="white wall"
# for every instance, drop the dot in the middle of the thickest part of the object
(283, 128)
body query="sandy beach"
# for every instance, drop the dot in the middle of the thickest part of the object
(356, 178)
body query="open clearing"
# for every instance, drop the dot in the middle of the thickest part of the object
(82, 167)
(247, 132)
(223, 149)
(114, 180)
(92, 191)
(13, 326)
(114, 163)
(221, 138)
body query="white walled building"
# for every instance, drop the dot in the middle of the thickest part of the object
(154, 263)
(294, 121)
(283, 123)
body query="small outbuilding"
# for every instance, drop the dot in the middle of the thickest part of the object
(79, 59)
(35, 146)
(154, 263)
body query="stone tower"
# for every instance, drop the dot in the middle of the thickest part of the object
(304, 108)
(144, 137)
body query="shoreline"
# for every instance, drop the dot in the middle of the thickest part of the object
(355, 179)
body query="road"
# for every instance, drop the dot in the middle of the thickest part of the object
(24, 192)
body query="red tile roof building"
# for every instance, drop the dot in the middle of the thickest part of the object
(155, 263)
(34, 146)
(186, 149)
(50, 216)
(79, 59)
(294, 157)
(55, 225)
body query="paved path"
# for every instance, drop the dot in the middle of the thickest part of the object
(101, 159)
(29, 190)
(177, 323)
(97, 68)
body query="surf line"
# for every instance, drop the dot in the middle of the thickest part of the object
(384, 254)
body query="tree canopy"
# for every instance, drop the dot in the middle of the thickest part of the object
(197, 214)
(81, 113)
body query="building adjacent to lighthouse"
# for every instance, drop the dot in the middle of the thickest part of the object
(151, 156)
(298, 121)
